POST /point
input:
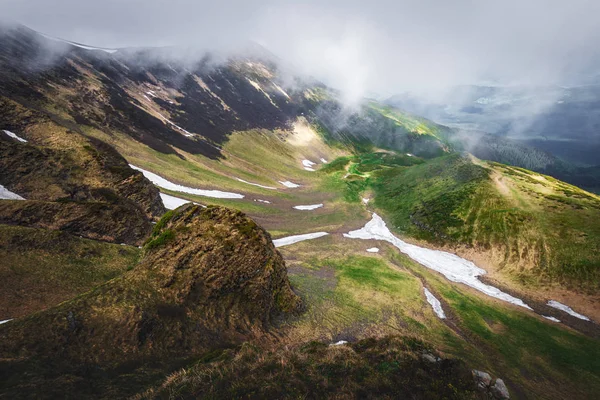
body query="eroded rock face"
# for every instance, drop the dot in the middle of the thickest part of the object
(209, 278)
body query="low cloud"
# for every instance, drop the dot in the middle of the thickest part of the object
(359, 47)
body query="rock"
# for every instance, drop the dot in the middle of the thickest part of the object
(209, 277)
(483, 379)
(499, 390)
(430, 357)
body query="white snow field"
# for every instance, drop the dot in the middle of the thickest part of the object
(172, 202)
(454, 268)
(14, 136)
(551, 318)
(435, 304)
(341, 342)
(567, 309)
(289, 184)
(6, 194)
(308, 165)
(165, 184)
(82, 46)
(256, 184)
(308, 207)
(373, 250)
(298, 238)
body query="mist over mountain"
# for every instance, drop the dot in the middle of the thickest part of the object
(271, 200)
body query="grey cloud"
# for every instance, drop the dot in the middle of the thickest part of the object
(357, 46)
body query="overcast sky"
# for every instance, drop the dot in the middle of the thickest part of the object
(359, 46)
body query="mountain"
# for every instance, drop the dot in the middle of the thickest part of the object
(560, 122)
(311, 249)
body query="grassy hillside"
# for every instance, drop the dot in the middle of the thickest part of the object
(533, 225)
(42, 268)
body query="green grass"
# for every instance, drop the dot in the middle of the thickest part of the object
(41, 268)
(451, 200)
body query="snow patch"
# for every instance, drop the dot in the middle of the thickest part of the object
(365, 200)
(289, 184)
(308, 163)
(82, 46)
(410, 155)
(14, 136)
(567, 309)
(172, 202)
(551, 318)
(435, 304)
(185, 133)
(373, 250)
(454, 268)
(6, 194)
(324, 161)
(5, 321)
(256, 184)
(165, 184)
(309, 169)
(308, 208)
(263, 201)
(341, 342)
(298, 238)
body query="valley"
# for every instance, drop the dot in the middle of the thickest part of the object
(324, 250)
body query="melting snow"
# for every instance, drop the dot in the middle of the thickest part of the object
(165, 184)
(341, 342)
(263, 201)
(308, 163)
(6, 194)
(373, 250)
(307, 208)
(408, 154)
(567, 309)
(289, 184)
(256, 184)
(365, 200)
(454, 268)
(14, 136)
(5, 321)
(309, 169)
(324, 161)
(172, 202)
(298, 238)
(110, 51)
(185, 133)
(551, 318)
(435, 304)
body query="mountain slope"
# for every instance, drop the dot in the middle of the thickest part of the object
(244, 133)
(209, 278)
(533, 225)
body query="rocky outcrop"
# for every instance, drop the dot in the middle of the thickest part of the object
(491, 388)
(114, 223)
(209, 278)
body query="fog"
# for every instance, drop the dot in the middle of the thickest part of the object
(362, 48)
